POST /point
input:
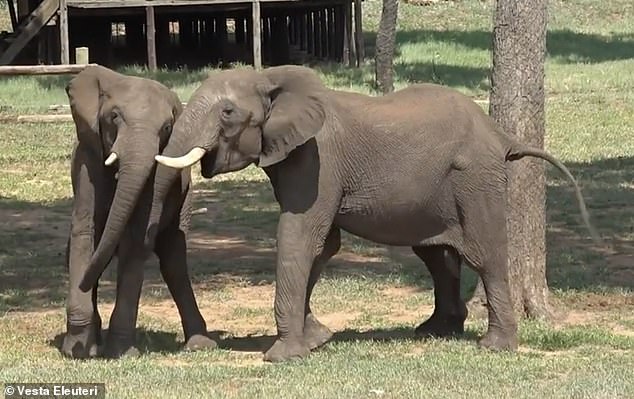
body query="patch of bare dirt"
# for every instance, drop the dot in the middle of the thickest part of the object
(42, 220)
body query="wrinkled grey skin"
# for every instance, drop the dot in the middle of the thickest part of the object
(423, 167)
(133, 118)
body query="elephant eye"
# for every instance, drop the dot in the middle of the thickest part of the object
(227, 112)
(167, 128)
(115, 116)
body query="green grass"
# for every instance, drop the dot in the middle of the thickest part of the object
(371, 295)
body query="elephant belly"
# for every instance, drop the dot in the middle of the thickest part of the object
(401, 223)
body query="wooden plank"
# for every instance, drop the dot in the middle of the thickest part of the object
(30, 27)
(150, 31)
(358, 32)
(257, 34)
(42, 69)
(63, 33)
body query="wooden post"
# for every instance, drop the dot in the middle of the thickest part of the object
(257, 34)
(339, 28)
(302, 31)
(332, 38)
(81, 55)
(349, 41)
(239, 29)
(150, 32)
(317, 32)
(63, 33)
(310, 33)
(358, 32)
(324, 32)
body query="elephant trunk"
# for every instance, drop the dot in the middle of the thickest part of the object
(182, 141)
(136, 164)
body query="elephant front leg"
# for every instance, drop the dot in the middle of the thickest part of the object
(315, 333)
(298, 245)
(171, 249)
(83, 323)
(121, 337)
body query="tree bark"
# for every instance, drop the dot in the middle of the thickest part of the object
(517, 104)
(385, 43)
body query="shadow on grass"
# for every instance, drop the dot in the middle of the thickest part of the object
(235, 242)
(564, 45)
(261, 343)
(147, 341)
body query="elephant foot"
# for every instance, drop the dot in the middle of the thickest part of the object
(499, 340)
(315, 333)
(118, 347)
(82, 342)
(286, 349)
(199, 342)
(440, 326)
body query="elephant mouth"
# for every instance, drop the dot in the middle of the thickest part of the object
(208, 164)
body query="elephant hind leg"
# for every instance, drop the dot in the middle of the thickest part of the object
(450, 311)
(315, 333)
(486, 252)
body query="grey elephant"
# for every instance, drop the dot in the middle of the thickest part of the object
(122, 122)
(423, 167)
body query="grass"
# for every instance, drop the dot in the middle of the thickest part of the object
(371, 296)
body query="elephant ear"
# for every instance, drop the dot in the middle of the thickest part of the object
(297, 111)
(85, 92)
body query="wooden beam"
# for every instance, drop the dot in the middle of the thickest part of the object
(42, 69)
(150, 31)
(29, 28)
(156, 3)
(358, 32)
(257, 34)
(63, 33)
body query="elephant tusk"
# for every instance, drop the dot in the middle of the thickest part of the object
(185, 161)
(111, 159)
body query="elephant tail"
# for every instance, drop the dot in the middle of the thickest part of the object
(518, 151)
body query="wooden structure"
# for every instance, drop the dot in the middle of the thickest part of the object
(177, 33)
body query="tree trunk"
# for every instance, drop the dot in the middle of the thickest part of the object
(385, 43)
(517, 104)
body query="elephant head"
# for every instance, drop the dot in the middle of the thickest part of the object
(239, 117)
(126, 121)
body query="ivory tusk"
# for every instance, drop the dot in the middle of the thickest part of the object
(185, 161)
(111, 158)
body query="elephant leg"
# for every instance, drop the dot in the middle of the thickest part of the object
(121, 338)
(299, 243)
(315, 333)
(450, 311)
(486, 253)
(171, 249)
(83, 323)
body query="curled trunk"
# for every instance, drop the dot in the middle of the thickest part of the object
(134, 171)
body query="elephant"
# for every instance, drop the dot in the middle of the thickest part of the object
(423, 167)
(121, 123)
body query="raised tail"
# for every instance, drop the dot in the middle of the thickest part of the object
(518, 151)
